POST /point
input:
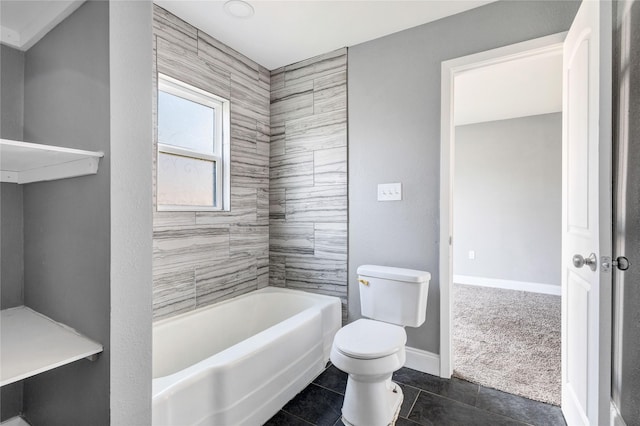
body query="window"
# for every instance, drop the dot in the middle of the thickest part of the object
(193, 148)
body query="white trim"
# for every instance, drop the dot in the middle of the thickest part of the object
(424, 361)
(509, 284)
(449, 70)
(26, 37)
(221, 142)
(616, 417)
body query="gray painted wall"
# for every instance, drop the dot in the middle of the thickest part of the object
(626, 393)
(507, 198)
(394, 135)
(200, 258)
(308, 176)
(11, 92)
(131, 206)
(11, 114)
(11, 227)
(66, 222)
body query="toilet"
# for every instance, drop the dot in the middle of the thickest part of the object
(372, 348)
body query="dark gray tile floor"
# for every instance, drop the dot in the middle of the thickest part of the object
(428, 400)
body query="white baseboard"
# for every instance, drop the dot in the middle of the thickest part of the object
(508, 284)
(616, 418)
(426, 362)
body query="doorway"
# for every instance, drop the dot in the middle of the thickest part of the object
(503, 192)
(586, 208)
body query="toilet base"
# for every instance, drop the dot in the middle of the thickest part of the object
(371, 401)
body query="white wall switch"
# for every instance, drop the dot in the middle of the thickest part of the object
(389, 191)
(472, 254)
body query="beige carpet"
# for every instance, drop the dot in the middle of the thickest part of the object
(508, 340)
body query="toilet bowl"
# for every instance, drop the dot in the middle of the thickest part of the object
(370, 350)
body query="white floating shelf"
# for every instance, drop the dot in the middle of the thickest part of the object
(24, 162)
(15, 421)
(31, 343)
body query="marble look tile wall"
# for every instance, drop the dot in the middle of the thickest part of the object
(201, 258)
(308, 175)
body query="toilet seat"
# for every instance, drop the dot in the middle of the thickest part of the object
(368, 339)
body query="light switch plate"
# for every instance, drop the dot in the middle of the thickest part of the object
(389, 191)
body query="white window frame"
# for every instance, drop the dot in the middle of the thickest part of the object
(221, 144)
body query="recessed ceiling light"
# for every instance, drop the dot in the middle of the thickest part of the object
(239, 9)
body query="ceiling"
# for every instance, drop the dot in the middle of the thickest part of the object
(279, 33)
(518, 88)
(284, 32)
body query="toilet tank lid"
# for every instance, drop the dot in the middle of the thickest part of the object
(391, 273)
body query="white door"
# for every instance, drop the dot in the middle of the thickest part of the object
(586, 297)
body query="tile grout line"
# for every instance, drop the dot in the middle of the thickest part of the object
(299, 418)
(325, 388)
(414, 403)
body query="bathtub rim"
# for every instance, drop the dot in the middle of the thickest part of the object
(162, 385)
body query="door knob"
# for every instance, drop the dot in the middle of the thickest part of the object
(591, 261)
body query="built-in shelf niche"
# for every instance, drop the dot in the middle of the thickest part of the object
(31, 343)
(24, 162)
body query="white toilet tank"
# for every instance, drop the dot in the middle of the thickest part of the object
(394, 295)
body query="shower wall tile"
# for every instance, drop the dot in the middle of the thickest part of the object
(277, 270)
(330, 93)
(322, 131)
(286, 238)
(179, 63)
(249, 241)
(175, 30)
(330, 166)
(292, 102)
(326, 276)
(331, 241)
(277, 205)
(318, 204)
(173, 219)
(277, 141)
(262, 264)
(215, 52)
(308, 176)
(277, 79)
(291, 171)
(175, 250)
(225, 278)
(244, 209)
(173, 293)
(205, 257)
(262, 204)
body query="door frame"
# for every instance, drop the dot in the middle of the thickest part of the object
(539, 46)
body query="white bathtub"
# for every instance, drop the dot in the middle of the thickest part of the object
(239, 361)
